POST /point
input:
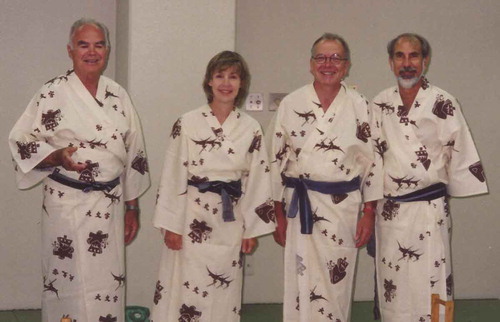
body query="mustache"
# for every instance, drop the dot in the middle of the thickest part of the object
(407, 69)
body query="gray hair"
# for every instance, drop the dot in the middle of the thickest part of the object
(424, 44)
(88, 21)
(334, 37)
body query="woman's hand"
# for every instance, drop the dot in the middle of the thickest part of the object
(281, 224)
(248, 245)
(173, 240)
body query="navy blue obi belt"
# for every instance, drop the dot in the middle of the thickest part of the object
(300, 199)
(227, 191)
(429, 193)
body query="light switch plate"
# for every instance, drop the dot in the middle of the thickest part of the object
(254, 102)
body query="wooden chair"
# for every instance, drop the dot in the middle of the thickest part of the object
(449, 307)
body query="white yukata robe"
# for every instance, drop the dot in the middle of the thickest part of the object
(82, 233)
(203, 280)
(428, 144)
(329, 146)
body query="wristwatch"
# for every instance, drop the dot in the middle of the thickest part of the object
(132, 207)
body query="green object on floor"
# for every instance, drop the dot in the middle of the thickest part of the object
(477, 310)
(136, 314)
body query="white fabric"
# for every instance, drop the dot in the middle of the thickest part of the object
(204, 279)
(428, 144)
(327, 146)
(82, 233)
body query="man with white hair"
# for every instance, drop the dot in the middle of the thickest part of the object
(81, 137)
(428, 154)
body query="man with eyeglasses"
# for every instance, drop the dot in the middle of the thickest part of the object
(428, 154)
(323, 168)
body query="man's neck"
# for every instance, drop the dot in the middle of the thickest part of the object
(408, 94)
(326, 94)
(90, 81)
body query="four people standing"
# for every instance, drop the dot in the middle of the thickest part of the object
(330, 160)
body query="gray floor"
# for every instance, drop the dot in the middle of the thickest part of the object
(465, 311)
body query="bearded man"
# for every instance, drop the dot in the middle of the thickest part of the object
(428, 155)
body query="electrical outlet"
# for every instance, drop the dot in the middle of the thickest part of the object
(249, 265)
(254, 102)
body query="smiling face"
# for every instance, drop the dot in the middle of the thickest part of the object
(88, 51)
(407, 63)
(225, 85)
(329, 73)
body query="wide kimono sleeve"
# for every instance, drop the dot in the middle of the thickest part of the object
(28, 147)
(465, 171)
(172, 192)
(373, 180)
(256, 204)
(135, 177)
(278, 153)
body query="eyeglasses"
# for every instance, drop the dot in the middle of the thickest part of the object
(334, 59)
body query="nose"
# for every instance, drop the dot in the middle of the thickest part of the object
(406, 61)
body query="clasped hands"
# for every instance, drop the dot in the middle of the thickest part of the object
(174, 242)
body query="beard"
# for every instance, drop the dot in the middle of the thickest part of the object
(408, 83)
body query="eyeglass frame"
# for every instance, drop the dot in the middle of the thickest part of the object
(334, 59)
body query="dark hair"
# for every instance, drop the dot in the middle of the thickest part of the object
(223, 61)
(335, 37)
(424, 44)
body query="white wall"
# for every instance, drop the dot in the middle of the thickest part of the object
(33, 38)
(275, 38)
